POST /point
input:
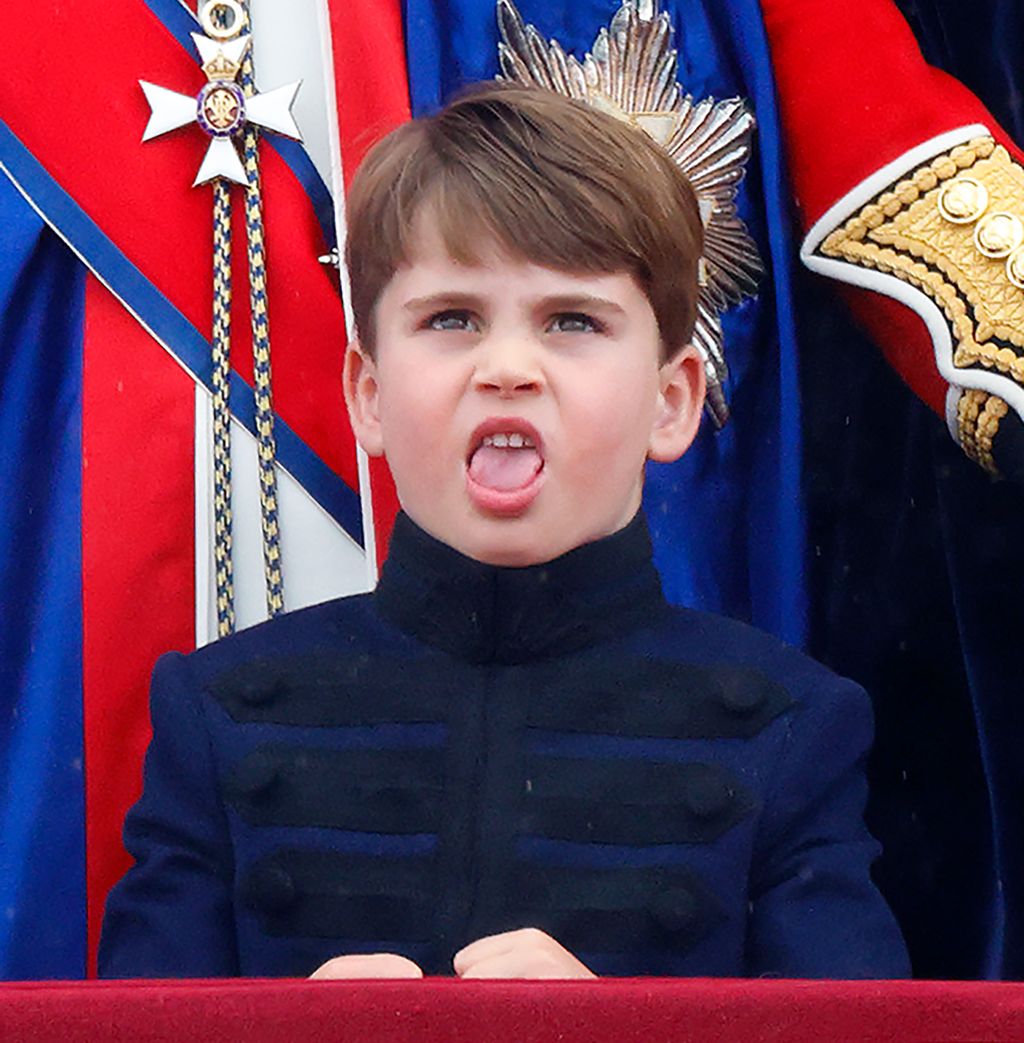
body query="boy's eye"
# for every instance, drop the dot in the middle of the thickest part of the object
(453, 319)
(574, 322)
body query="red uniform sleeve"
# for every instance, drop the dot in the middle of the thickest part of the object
(878, 144)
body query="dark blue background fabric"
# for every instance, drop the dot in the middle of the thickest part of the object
(883, 613)
(915, 588)
(980, 43)
(727, 520)
(42, 827)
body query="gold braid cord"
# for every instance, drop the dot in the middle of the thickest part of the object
(954, 229)
(978, 416)
(230, 110)
(221, 408)
(265, 439)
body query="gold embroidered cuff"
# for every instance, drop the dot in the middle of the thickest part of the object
(954, 229)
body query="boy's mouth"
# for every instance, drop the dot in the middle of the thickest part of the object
(505, 465)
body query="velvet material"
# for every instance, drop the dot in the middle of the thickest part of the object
(916, 583)
(482, 613)
(663, 791)
(630, 1011)
(42, 865)
(979, 43)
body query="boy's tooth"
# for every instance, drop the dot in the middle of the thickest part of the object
(506, 440)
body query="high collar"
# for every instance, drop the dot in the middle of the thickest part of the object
(487, 613)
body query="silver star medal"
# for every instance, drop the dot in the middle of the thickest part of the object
(221, 108)
(631, 73)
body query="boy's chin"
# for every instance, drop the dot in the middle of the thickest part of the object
(518, 542)
(508, 549)
(509, 542)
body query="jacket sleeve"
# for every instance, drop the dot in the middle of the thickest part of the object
(814, 911)
(171, 915)
(908, 187)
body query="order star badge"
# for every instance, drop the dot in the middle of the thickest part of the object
(631, 72)
(221, 108)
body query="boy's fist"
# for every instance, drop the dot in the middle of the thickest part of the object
(374, 965)
(527, 953)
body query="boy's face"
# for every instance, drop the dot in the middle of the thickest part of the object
(516, 404)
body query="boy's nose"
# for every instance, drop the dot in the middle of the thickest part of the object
(508, 367)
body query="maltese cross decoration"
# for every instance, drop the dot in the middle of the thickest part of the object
(221, 108)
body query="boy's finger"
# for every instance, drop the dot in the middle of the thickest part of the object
(374, 965)
(494, 945)
(529, 963)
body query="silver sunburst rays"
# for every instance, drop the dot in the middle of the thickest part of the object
(631, 72)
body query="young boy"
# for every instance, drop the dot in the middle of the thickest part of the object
(513, 759)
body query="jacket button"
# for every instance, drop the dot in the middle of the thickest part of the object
(676, 909)
(740, 697)
(707, 797)
(255, 775)
(269, 889)
(261, 693)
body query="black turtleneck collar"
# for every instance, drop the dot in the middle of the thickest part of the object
(487, 613)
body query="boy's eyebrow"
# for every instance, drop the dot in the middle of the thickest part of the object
(445, 299)
(579, 302)
(556, 302)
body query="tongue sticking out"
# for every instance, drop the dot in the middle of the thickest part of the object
(504, 469)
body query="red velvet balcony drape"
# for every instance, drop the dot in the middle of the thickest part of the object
(448, 1011)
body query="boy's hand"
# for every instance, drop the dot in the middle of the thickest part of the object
(374, 965)
(527, 953)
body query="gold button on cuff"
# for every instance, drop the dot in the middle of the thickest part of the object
(998, 235)
(963, 200)
(1015, 267)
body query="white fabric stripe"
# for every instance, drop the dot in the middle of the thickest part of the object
(287, 47)
(337, 183)
(205, 564)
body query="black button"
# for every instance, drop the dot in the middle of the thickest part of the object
(256, 775)
(269, 889)
(707, 797)
(261, 692)
(740, 696)
(676, 910)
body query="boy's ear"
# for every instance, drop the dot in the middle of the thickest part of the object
(681, 404)
(362, 396)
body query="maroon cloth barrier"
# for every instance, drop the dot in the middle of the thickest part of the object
(442, 1011)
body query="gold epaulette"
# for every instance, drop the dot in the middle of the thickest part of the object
(954, 229)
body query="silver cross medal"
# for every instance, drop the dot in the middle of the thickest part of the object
(221, 107)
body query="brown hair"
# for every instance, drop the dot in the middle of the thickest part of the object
(551, 180)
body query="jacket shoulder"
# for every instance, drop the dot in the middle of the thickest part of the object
(339, 624)
(714, 640)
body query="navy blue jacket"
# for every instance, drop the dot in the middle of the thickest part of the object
(472, 749)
